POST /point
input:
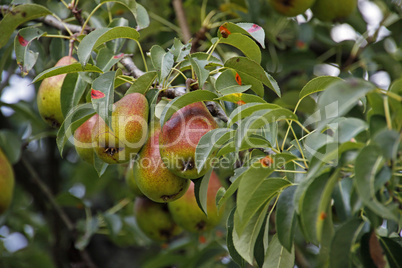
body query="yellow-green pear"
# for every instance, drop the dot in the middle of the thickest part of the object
(330, 10)
(48, 97)
(180, 136)
(6, 182)
(189, 216)
(83, 139)
(155, 220)
(129, 122)
(130, 180)
(152, 176)
(291, 8)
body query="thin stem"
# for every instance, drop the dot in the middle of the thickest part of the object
(57, 36)
(109, 13)
(390, 94)
(211, 50)
(124, 202)
(64, 3)
(294, 161)
(64, 24)
(387, 113)
(143, 56)
(291, 171)
(300, 149)
(90, 15)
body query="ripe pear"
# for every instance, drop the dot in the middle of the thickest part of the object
(180, 136)
(6, 182)
(155, 220)
(291, 8)
(330, 10)
(48, 97)
(130, 180)
(129, 123)
(83, 139)
(189, 216)
(152, 176)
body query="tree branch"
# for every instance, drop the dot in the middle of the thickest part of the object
(181, 17)
(130, 66)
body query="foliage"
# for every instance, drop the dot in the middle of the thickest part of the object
(311, 158)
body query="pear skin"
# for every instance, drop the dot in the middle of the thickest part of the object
(331, 11)
(130, 180)
(180, 136)
(189, 216)
(48, 97)
(6, 182)
(291, 8)
(129, 123)
(83, 139)
(152, 176)
(155, 220)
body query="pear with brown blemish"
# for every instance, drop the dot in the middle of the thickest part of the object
(48, 97)
(129, 122)
(6, 182)
(152, 176)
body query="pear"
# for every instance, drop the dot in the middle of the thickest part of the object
(48, 97)
(180, 136)
(130, 180)
(152, 176)
(155, 220)
(129, 123)
(189, 216)
(6, 182)
(291, 8)
(83, 139)
(329, 10)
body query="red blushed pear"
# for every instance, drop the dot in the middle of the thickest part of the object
(83, 139)
(189, 216)
(152, 176)
(48, 97)
(180, 136)
(129, 122)
(155, 220)
(6, 182)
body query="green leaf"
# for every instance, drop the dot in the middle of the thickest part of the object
(113, 224)
(366, 165)
(249, 29)
(201, 56)
(209, 143)
(201, 191)
(246, 45)
(286, 218)
(241, 98)
(200, 70)
(163, 61)
(341, 246)
(277, 256)
(102, 96)
(226, 83)
(317, 84)
(393, 251)
(348, 128)
(102, 35)
(25, 57)
(106, 59)
(143, 83)
(99, 165)
(248, 109)
(233, 187)
(229, 240)
(76, 117)
(11, 145)
(116, 45)
(253, 141)
(72, 90)
(179, 50)
(179, 102)
(139, 12)
(247, 68)
(72, 68)
(19, 15)
(66, 199)
(388, 141)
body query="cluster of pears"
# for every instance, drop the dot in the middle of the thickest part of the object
(324, 10)
(6, 182)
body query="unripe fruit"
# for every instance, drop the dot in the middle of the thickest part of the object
(130, 128)
(83, 139)
(180, 136)
(155, 220)
(189, 216)
(291, 8)
(130, 180)
(48, 97)
(6, 182)
(152, 176)
(330, 10)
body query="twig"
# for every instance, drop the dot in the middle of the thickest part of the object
(181, 17)
(129, 64)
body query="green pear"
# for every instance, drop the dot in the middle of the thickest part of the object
(155, 220)
(83, 139)
(180, 136)
(330, 10)
(129, 122)
(48, 97)
(189, 216)
(291, 8)
(153, 178)
(130, 180)
(6, 182)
